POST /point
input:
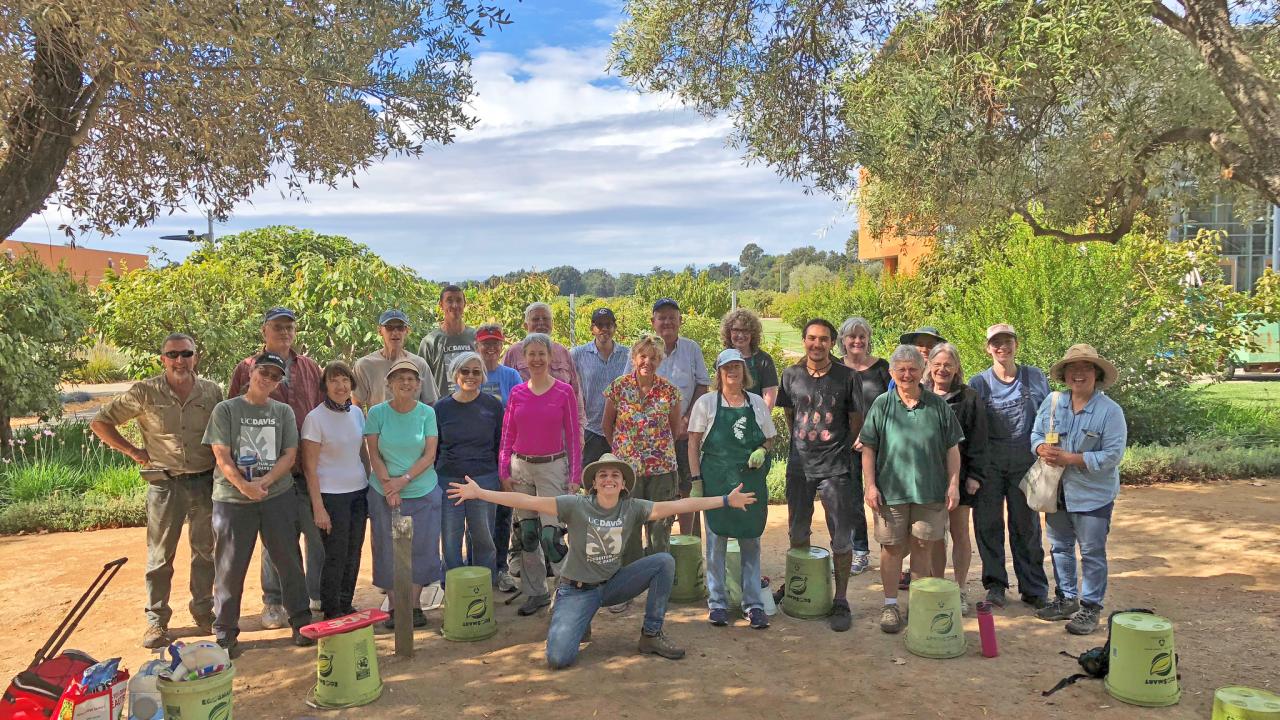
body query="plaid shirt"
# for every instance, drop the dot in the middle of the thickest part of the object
(300, 388)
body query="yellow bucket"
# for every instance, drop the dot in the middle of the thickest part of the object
(346, 670)
(934, 625)
(1143, 667)
(468, 604)
(691, 580)
(1245, 703)
(809, 592)
(204, 699)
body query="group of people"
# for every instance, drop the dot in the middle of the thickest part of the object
(567, 467)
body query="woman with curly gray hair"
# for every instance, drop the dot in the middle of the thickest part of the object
(741, 331)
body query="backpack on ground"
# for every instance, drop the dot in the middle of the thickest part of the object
(1095, 662)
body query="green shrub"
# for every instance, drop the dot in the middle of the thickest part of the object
(777, 482)
(1200, 460)
(71, 513)
(103, 363)
(759, 301)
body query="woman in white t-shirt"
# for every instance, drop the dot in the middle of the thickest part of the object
(337, 470)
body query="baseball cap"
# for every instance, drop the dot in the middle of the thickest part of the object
(1000, 329)
(269, 359)
(602, 314)
(487, 334)
(727, 356)
(391, 316)
(665, 302)
(278, 312)
(404, 365)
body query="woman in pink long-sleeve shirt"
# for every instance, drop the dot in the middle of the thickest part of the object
(541, 455)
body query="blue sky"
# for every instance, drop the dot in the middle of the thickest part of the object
(566, 166)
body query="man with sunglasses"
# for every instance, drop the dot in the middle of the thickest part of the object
(172, 410)
(371, 370)
(255, 445)
(300, 389)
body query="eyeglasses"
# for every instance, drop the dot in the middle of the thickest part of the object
(272, 377)
(175, 354)
(471, 372)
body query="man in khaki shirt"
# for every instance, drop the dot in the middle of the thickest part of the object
(172, 411)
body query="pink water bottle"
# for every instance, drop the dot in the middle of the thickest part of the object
(987, 630)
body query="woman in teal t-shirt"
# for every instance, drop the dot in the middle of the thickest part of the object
(402, 438)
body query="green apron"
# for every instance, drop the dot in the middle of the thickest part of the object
(733, 436)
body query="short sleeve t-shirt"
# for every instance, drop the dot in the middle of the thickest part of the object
(264, 431)
(439, 349)
(762, 369)
(703, 413)
(470, 436)
(499, 381)
(371, 378)
(820, 432)
(873, 382)
(597, 536)
(340, 436)
(402, 438)
(911, 447)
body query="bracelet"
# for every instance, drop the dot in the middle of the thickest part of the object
(695, 478)
(725, 498)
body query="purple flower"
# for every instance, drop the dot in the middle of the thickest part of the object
(47, 432)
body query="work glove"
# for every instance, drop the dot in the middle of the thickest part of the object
(757, 458)
(696, 490)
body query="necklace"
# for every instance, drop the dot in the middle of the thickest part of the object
(818, 372)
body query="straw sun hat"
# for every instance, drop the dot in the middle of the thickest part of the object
(1084, 351)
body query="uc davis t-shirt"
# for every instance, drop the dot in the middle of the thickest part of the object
(596, 535)
(266, 431)
(402, 439)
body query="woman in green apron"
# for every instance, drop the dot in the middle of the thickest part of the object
(730, 433)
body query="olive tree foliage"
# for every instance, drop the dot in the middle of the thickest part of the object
(1077, 115)
(119, 110)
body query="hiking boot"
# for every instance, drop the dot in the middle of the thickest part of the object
(891, 619)
(1085, 620)
(274, 617)
(659, 644)
(419, 618)
(904, 581)
(204, 623)
(156, 636)
(533, 604)
(506, 583)
(620, 607)
(1059, 609)
(718, 617)
(231, 645)
(1039, 602)
(302, 640)
(860, 564)
(995, 596)
(841, 617)
(759, 618)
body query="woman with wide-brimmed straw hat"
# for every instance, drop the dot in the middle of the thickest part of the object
(1087, 441)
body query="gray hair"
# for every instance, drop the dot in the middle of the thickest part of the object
(463, 359)
(176, 337)
(542, 338)
(907, 354)
(536, 306)
(948, 348)
(847, 328)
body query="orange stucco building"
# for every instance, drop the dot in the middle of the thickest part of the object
(82, 262)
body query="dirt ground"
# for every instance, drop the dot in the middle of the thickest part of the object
(1207, 556)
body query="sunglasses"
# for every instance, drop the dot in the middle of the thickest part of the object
(175, 354)
(470, 372)
(273, 376)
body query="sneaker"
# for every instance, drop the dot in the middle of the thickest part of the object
(659, 644)
(419, 618)
(759, 618)
(718, 617)
(904, 581)
(432, 596)
(390, 622)
(1036, 601)
(533, 604)
(620, 607)
(231, 645)
(1059, 609)
(840, 618)
(506, 583)
(995, 596)
(156, 636)
(386, 603)
(348, 610)
(1085, 621)
(966, 607)
(204, 624)
(302, 640)
(891, 619)
(315, 606)
(274, 617)
(860, 564)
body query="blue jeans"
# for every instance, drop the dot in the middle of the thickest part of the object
(575, 608)
(314, 556)
(476, 518)
(1089, 529)
(717, 590)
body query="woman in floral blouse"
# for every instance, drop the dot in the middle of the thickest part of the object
(641, 419)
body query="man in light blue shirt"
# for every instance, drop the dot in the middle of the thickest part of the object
(599, 363)
(1087, 441)
(685, 368)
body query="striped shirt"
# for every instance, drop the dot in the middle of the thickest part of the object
(595, 375)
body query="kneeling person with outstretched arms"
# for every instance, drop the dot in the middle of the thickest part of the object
(599, 525)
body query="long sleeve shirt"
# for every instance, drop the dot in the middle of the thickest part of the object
(543, 424)
(1099, 433)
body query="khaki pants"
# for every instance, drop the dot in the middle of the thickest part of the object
(541, 480)
(658, 488)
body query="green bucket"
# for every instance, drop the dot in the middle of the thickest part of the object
(1143, 667)
(1245, 703)
(204, 699)
(935, 628)
(733, 575)
(809, 591)
(468, 604)
(346, 670)
(691, 581)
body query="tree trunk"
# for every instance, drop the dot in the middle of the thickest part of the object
(41, 129)
(6, 432)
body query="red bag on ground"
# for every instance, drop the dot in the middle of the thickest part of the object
(107, 703)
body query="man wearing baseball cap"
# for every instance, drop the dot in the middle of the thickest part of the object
(300, 390)
(371, 370)
(685, 368)
(451, 339)
(599, 363)
(490, 342)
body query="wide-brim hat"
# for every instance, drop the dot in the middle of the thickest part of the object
(404, 365)
(609, 460)
(909, 338)
(1085, 351)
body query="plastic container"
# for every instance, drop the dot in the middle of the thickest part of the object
(144, 693)
(1143, 667)
(468, 605)
(691, 580)
(346, 670)
(935, 628)
(809, 593)
(204, 699)
(1245, 703)
(987, 630)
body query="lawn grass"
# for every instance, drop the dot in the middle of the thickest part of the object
(786, 336)
(1263, 394)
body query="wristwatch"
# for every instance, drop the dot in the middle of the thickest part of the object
(695, 478)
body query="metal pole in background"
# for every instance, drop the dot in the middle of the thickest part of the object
(210, 226)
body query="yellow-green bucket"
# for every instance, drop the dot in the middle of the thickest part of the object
(468, 604)
(934, 625)
(204, 699)
(691, 581)
(809, 591)
(1245, 703)
(1143, 667)
(733, 575)
(346, 670)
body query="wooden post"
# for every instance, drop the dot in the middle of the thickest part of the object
(402, 592)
